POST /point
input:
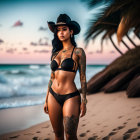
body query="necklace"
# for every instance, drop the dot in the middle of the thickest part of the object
(66, 50)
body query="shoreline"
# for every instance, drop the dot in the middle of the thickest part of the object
(109, 116)
(19, 118)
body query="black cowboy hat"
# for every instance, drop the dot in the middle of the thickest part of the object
(64, 19)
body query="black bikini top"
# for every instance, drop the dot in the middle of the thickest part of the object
(67, 65)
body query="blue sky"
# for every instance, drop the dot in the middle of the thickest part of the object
(35, 13)
(17, 47)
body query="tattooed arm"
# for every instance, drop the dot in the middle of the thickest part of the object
(50, 83)
(82, 71)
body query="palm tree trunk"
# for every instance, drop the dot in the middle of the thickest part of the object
(115, 45)
(125, 45)
(131, 41)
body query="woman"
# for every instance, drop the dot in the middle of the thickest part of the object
(63, 100)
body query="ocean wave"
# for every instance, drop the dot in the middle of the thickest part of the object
(31, 81)
(34, 66)
(3, 79)
(16, 72)
(23, 85)
(31, 90)
(28, 80)
(8, 91)
(21, 101)
(19, 72)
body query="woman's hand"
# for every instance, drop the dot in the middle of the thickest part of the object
(83, 109)
(46, 108)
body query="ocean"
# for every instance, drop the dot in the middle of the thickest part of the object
(26, 85)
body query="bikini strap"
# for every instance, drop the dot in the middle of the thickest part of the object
(72, 52)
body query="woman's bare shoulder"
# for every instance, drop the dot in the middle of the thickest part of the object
(79, 51)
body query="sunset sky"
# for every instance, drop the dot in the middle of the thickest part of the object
(26, 39)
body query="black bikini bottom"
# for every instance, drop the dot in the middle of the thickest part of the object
(62, 98)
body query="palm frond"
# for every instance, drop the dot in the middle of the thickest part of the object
(129, 20)
(96, 3)
(116, 17)
(100, 23)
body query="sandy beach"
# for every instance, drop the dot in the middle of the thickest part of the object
(109, 117)
(14, 119)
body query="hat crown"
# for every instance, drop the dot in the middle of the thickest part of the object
(63, 18)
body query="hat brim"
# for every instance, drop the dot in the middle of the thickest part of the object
(73, 24)
(51, 25)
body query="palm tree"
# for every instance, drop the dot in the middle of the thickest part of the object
(114, 15)
(130, 17)
(108, 25)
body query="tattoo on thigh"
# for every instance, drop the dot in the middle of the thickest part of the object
(71, 124)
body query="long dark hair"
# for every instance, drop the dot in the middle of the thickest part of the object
(57, 44)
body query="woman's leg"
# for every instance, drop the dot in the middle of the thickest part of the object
(56, 117)
(71, 112)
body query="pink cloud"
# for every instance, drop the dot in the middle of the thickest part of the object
(18, 23)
